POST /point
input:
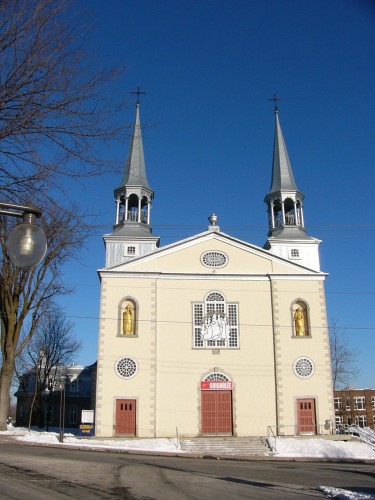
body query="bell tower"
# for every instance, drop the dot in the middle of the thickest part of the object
(287, 233)
(132, 232)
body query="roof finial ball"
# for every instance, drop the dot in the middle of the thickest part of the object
(213, 218)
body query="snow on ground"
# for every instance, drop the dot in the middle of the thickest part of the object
(321, 448)
(43, 437)
(340, 494)
(285, 447)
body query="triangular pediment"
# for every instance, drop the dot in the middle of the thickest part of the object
(224, 255)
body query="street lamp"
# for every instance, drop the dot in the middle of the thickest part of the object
(62, 382)
(27, 243)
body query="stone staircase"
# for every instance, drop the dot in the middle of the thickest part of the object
(221, 446)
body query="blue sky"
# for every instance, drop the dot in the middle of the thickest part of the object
(208, 68)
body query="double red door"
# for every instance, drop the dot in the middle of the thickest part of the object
(125, 416)
(306, 416)
(216, 412)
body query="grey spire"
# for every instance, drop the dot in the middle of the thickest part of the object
(134, 195)
(135, 169)
(282, 174)
(287, 234)
(284, 200)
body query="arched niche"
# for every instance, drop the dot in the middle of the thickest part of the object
(300, 317)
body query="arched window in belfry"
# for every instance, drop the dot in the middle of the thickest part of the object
(290, 216)
(128, 317)
(277, 213)
(301, 324)
(144, 209)
(121, 209)
(132, 214)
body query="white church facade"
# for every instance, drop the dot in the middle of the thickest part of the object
(211, 335)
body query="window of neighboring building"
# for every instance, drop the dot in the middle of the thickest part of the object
(361, 420)
(338, 404)
(359, 403)
(74, 385)
(339, 421)
(215, 323)
(347, 403)
(373, 402)
(130, 250)
(73, 414)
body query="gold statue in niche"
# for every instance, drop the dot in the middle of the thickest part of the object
(299, 322)
(128, 319)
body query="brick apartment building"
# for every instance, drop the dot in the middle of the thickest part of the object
(355, 407)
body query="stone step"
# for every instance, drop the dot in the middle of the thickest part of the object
(225, 446)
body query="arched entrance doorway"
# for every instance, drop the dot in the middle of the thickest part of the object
(216, 404)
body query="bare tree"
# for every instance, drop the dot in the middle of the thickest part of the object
(343, 358)
(54, 116)
(55, 106)
(52, 347)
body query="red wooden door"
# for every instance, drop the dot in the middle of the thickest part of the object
(216, 412)
(125, 416)
(306, 416)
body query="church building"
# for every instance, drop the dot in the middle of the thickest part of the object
(212, 335)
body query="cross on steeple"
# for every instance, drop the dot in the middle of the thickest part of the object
(275, 99)
(137, 92)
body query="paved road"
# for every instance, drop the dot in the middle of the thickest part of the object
(35, 473)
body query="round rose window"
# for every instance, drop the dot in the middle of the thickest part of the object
(126, 367)
(304, 367)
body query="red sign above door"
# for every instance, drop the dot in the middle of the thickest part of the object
(216, 385)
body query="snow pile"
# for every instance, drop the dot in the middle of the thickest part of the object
(43, 437)
(344, 494)
(283, 447)
(366, 434)
(320, 448)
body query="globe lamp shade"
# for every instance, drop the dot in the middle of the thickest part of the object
(26, 245)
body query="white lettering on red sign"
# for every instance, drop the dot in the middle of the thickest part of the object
(218, 385)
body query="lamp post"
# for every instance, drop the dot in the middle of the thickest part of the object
(27, 243)
(62, 407)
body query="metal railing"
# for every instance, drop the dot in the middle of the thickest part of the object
(298, 430)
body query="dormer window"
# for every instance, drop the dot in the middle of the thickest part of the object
(130, 251)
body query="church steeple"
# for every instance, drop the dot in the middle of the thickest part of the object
(132, 232)
(286, 225)
(134, 195)
(284, 200)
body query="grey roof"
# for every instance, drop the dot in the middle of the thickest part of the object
(282, 174)
(135, 169)
(133, 230)
(290, 233)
